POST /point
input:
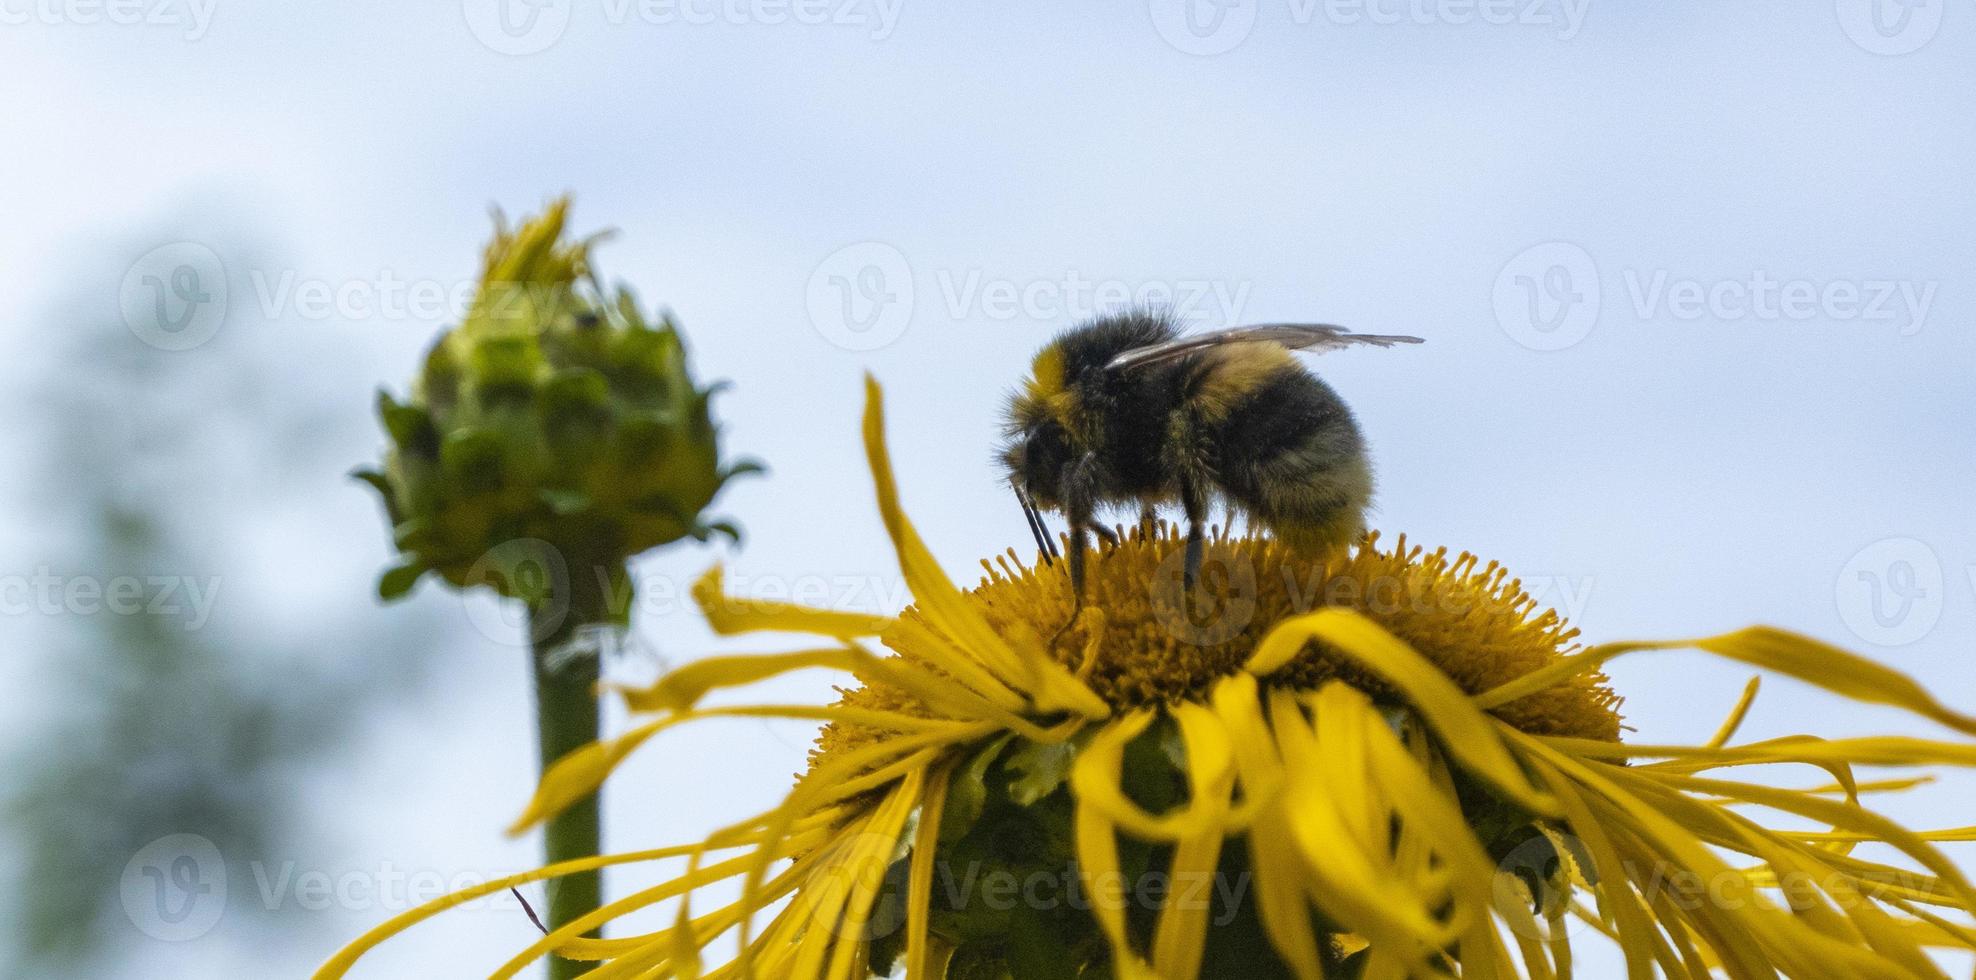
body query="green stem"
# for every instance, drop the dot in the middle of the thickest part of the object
(566, 719)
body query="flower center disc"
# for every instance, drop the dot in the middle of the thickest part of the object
(1160, 644)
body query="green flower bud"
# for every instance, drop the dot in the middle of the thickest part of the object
(554, 413)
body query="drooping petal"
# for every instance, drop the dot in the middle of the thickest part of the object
(1802, 657)
(729, 615)
(339, 964)
(919, 887)
(1283, 905)
(1350, 873)
(1096, 840)
(1094, 778)
(1470, 736)
(579, 773)
(682, 687)
(1048, 684)
(1180, 936)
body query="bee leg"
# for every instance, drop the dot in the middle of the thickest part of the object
(1149, 521)
(1079, 543)
(1105, 534)
(1196, 505)
(1079, 495)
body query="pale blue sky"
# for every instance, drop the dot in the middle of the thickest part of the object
(1675, 467)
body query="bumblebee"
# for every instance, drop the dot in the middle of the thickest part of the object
(1124, 411)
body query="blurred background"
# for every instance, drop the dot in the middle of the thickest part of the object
(1696, 284)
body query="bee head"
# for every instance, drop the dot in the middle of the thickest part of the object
(1036, 427)
(1035, 457)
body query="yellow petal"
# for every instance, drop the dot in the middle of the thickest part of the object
(1874, 750)
(865, 872)
(1349, 877)
(1048, 684)
(1094, 777)
(1105, 886)
(919, 885)
(1768, 648)
(1469, 735)
(1729, 725)
(345, 958)
(1631, 919)
(618, 909)
(1750, 931)
(683, 687)
(1180, 936)
(729, 615)
(578, 774)
(1279, 884)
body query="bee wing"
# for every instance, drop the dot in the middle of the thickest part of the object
(1314, 337)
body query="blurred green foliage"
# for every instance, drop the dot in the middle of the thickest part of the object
(157, 464)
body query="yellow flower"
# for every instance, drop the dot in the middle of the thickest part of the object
(1410, 769)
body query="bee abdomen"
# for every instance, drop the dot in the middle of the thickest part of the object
(1290, 454)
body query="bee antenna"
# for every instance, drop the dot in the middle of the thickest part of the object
(1044, 546)
(1049, 540)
